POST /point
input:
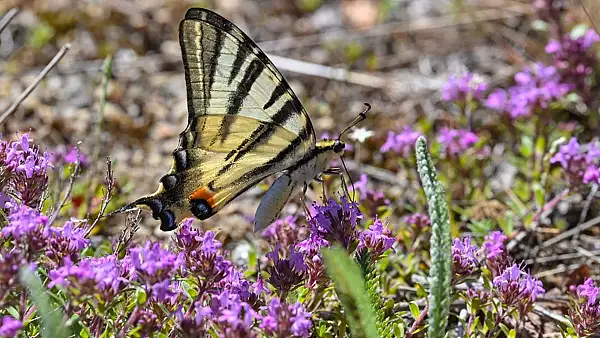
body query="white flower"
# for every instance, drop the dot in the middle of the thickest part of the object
(361, 134)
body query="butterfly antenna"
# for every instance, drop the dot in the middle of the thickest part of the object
(362, 116)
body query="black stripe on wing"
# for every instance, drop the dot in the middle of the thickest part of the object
(259, 136)
(246, 45)
(237, 98)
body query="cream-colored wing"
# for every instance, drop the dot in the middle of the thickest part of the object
(244, 123)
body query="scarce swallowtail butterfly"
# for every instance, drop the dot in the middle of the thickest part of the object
(244, 124)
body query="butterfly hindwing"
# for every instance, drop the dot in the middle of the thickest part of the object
(244, 122)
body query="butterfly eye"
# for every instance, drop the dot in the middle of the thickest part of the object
(339, 146)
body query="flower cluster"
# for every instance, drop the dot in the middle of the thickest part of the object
(332, 223)
(585, 312)
(573, 57)
(417, 220)
(371, 199)
(517, 289)
(283, 320)
(497, 258)
(285, 231)
(464, 260)
(66, 241)
(535, 88)
(456, 141)
(377, 239)
(9, 327)
(402, 143)
(97, 277)
(11, 260)
(23, 170)
(234, 317)
(69, 155)
(155, 267)
(464, 88)
(286, 273)
(27, 228)
(581, 163)
(201, 253)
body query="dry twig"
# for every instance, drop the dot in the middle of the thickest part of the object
(572, 232)
(7, 18)
(36, 81)
(110, 180)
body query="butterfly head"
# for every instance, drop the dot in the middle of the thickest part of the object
(338, 146)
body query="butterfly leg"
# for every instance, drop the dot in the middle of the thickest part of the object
(303, 201)
(335, 171)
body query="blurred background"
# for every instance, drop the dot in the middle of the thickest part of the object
(394, 54)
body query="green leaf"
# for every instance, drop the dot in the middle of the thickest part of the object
(140, 296)
(440, 274)
(421, 293)
(399, 330)
(53, 325)
(414, 310)
(526, 147)
(350, 288)
(474, 324)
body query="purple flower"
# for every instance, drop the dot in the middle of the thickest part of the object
(69, 155)
(402, 143)
(456, 141)
(369, 198)
(102, 276)
(146, 321)
(464, 257)
(201, 253)
(10, 326)
(579, 162)
(27, 227)
(378, 239)
(575, 59)
(286, 274)
(330, 223)
(517, 289)
(463, 89)
(497, 100)
(494, 244)
(496, 256)
(536, 87)
(24, 170)
(310, 248)
(66, 241)
(418, 220)
(10, 262)
(335, 222)
(285, 231)
(283, 320)
(155, 267)
(194, 325)
(235, 318)
(585, 308)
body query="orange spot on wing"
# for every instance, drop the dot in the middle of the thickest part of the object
(204, 194)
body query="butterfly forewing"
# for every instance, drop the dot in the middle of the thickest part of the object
(244, 122)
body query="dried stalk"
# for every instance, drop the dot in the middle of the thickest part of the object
(37, 80)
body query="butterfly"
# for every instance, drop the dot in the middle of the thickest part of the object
(244, 124)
